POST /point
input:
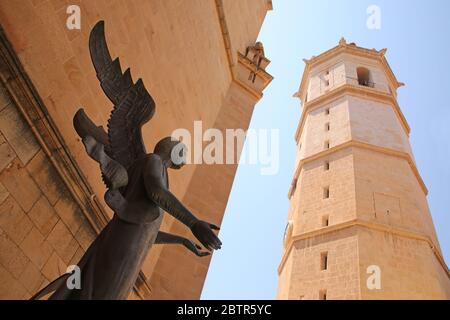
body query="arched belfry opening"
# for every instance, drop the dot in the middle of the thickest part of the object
(364, 77)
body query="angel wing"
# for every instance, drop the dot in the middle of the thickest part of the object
(133, 105)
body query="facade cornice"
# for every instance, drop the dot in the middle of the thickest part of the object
(356, 91)
(369, 225)
(242, 61)
(265, 77)
(362, 145)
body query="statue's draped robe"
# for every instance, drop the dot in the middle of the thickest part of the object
(111, 265)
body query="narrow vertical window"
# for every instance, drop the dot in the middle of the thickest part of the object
(325, 221)
(326, 166)
(326, 145)
(324, 261)
(326, 192)
(327, 111)
(323, 295)
(327, 126)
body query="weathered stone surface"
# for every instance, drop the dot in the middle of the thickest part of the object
(18, 134)
(43, 216)
(63, 242)
(85, 235)
(77, 256)
(10, 288)
(3, 193)
(54, 267)
(36, 248)
(14, 221)
(20, 185)
(11, 257)
(46, 177)
(69, 212)
(4, 98)
(7, 154)
(31, 278)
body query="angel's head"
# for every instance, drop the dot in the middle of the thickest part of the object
(172, 152)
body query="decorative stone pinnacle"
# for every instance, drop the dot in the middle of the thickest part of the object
(383, 51)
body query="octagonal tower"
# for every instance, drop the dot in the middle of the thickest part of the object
(359, 226)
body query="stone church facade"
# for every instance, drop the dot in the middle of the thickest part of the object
(191, 56)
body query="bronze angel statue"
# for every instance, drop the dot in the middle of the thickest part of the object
(137, 187)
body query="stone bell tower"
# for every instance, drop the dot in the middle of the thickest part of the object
(359, 226)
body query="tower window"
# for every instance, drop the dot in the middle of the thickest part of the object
(326, 192)
(327, 82)
(327, 126)
(324, 261)
(323, 295)
(325, 221)
(364, 77)
(326, 166)
(327, 111)
(327, 144)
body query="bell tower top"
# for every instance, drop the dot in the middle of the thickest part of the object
(347, 64)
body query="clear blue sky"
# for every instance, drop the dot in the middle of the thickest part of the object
(416, 34)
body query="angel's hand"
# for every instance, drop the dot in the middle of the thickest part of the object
(195, 248)
(203, 232)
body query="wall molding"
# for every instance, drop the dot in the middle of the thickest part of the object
(355, 91)
(404, 233)
(366, 146)
(242, 61)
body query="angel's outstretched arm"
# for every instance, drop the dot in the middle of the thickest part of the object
(167, 238)
(158, 192)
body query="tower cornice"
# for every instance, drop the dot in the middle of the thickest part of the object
(367, 146)
(353, 90)
(369, 225)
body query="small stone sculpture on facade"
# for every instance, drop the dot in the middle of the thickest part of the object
(255, 54)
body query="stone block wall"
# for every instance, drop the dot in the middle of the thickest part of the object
(42, 230)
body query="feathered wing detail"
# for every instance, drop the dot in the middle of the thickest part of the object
(133, 105)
